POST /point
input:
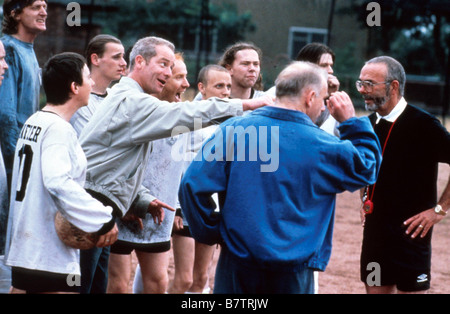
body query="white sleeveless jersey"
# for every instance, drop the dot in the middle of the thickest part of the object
(49, 175)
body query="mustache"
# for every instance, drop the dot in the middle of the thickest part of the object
(367, 97)
(380, 99)
(377, 102)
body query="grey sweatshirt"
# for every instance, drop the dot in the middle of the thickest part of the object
(117, 137)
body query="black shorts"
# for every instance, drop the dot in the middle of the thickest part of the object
(36, 281)
(125, 248)
(185, 232)
(386, 265)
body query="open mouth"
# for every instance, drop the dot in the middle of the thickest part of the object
(162, 82)
(178, 96)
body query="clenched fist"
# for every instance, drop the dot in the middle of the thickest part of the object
(341, 106)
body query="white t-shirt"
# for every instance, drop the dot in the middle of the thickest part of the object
(161, 177)
(49, 175)
(82, 116)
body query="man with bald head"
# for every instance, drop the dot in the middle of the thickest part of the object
(276, 220)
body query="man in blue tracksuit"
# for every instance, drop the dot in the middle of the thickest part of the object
(277, 175)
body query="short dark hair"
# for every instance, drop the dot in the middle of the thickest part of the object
(59, 73)
(204, 72)
(9, 23)
(313, 51)
(97, 45)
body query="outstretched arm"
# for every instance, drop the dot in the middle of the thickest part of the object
(255, 103)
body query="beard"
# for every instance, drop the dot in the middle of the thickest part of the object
(378, 102)
(322, 117)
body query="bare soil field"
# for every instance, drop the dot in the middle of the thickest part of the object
(342, 273)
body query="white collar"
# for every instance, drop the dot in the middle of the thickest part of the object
(395, 113)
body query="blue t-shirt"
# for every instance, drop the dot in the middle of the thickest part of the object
(19, 93)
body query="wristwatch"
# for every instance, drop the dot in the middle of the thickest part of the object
(438, 210)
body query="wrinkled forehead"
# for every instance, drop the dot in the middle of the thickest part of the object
(373, 72)
(164, 52)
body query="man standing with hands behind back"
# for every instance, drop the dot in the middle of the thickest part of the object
(401, 208)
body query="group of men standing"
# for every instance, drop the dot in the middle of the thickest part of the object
(92, 146)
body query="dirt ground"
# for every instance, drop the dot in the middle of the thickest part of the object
(342, 273)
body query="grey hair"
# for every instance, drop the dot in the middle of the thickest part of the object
(146, 47)
(395, 71)
(297, 76)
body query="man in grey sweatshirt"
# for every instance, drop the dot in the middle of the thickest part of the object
(116, 139)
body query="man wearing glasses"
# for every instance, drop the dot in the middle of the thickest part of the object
(400, 209)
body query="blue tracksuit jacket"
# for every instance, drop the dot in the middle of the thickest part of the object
(277, 175)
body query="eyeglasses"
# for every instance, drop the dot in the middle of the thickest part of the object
(368, 85)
